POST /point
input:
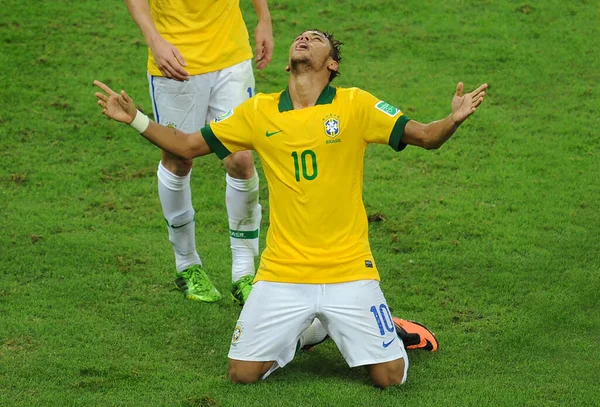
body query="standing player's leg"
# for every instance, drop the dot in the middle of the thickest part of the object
(233, 86)
(178, 105)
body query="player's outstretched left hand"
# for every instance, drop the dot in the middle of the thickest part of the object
(117, 106)
(465, 105)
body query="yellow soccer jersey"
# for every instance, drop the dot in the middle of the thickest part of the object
(313, 160)
(211, 35)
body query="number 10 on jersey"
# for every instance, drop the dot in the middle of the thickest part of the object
(307, 161)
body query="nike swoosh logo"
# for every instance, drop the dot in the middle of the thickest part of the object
(273, 133)
(386, 344)
(180, 226)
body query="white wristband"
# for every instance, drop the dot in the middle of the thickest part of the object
(140, 122)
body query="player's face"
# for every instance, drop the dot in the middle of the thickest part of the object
(310, 46)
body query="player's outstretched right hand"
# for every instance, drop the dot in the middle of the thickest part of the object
(117, 106)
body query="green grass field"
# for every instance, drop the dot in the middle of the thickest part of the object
(493, 240)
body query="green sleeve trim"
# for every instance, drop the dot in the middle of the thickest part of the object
(213, 142)
(397, 133)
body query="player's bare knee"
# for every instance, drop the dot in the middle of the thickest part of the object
(246, 372)
(242, 377)
(176, 165)
(387, 374)
(240, 165)
(384, 382)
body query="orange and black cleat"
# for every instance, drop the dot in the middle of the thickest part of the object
(415, 335)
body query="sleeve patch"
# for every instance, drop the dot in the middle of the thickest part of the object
(224, 116)
(387, 108)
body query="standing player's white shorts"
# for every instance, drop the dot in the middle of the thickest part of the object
(190, 105)
(355, 315)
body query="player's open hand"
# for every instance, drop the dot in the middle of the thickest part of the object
(464, 105)
(117, 106)
(263, 37)
(169, 60)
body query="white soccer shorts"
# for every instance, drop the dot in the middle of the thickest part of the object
(190, 105)
(355, 315)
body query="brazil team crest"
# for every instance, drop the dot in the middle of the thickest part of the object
(332, 125)
(237, 333)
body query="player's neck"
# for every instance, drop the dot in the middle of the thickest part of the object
(305, 89)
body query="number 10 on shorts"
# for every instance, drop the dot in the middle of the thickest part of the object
(383, 317)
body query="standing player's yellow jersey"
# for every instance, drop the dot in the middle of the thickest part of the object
(211, 35)
(313, 160)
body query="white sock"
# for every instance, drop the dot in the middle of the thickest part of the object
(176, 200)
(244, 211)
(314, 334)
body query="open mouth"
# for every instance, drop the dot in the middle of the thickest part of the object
(302, 46)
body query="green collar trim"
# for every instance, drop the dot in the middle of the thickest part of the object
(325, 98)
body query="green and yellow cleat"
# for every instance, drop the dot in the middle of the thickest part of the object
(194, 283)
(240, 290)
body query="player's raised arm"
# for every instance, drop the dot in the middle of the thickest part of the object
(120, 107)
(433, 135)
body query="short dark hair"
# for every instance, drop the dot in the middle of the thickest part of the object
(335, 53)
